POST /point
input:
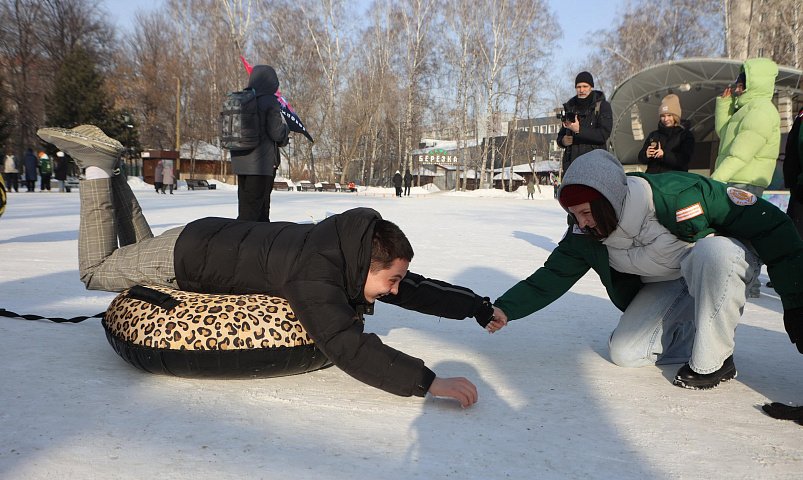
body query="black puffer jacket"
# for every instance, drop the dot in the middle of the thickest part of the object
(793, 162)
(595, 126)
(264, 159)
(321, 271)
(678, 146)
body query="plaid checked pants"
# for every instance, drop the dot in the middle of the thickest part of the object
(110, 212)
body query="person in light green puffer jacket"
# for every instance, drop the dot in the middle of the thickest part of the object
(749, 129)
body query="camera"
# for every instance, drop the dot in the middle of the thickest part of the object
(570, 117)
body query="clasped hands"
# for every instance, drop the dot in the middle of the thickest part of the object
(499, 321)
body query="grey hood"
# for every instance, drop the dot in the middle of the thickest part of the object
(601, 171)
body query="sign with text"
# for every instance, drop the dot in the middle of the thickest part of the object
(438, 156)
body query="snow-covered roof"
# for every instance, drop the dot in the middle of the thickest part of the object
(201, 151)
(506, 175)
(446, 145)
(544, 166)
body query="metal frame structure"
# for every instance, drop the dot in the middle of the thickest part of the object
(697, 81)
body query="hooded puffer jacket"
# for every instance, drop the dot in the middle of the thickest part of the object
(321, 270)
(749, 128)
(264, 159)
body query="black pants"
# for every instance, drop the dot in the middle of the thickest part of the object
(12, 181)
(31, 184)
(253, 196)
(407, 190)
(45, 185)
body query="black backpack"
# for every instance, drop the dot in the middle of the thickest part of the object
(239, 121)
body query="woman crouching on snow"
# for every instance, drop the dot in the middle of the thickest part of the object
(665, 247)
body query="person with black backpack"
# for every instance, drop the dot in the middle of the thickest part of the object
(255, 165)
(587, 121)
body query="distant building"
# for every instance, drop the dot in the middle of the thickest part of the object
(544, 132)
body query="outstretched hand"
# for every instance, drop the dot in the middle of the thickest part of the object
(727, 93)
(456, 387)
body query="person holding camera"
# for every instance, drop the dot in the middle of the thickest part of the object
(672, 145)
(587, 121)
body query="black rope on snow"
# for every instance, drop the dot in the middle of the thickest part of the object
(6, 313)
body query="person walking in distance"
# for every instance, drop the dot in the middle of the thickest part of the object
(408, 182)
(31, 164)
(11, 171)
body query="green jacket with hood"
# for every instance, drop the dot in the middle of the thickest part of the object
(770, 231)
(749, 128)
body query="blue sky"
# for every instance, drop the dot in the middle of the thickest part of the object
(576, 18)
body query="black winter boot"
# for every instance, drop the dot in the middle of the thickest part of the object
(688, 378)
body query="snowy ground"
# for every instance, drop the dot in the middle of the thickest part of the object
(551, 403)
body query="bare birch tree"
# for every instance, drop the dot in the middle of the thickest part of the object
(508, 30)
(648, 33)
(325, 22)
(460, 48)
(418, 18)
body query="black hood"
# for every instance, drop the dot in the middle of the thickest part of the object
(264, 80)
(355, 228)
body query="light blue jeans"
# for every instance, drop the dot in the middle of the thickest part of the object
(692, 318)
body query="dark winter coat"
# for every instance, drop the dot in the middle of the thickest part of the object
(321, 270)
(264, 159)
(397, 180)
(31, 163)
(793, 161)
(61, 167)
(678, 145)
(408, 179)
(595, 128)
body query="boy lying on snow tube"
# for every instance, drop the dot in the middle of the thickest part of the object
(330, 273)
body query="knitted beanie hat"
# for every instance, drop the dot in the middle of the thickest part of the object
(670, 104)
(577, 194)
(601, 171)
(584, 77)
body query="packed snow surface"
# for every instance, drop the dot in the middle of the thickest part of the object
(552, 405)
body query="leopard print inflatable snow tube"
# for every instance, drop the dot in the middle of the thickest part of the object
(185, 334)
